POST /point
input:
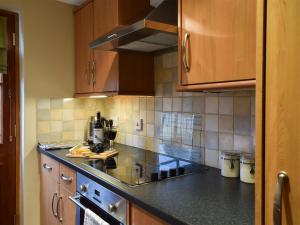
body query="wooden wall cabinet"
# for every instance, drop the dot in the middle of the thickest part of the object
(141, 217)
(83, 54)
(57, 184)
(106, 71)
(216, 44)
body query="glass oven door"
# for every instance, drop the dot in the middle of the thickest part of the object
(83, 203)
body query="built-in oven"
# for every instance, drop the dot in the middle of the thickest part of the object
(109, 206)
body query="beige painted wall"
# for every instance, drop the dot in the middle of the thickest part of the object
(48, 71)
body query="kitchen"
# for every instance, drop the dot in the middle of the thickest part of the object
(185, 104)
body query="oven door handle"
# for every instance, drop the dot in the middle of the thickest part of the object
(75, 200)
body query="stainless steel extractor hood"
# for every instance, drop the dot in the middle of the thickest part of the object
(156, 32)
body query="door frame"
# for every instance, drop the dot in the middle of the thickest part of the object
(18, 112)
(261, 10)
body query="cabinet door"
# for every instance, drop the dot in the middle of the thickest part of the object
(220, 41)
(141, 217)
(282, 114)
(67, 209)
(49, 191)
(83, 54)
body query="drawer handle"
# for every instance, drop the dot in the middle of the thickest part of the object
(47, 167)
(52, 205)
(184, 52)
(282, 179)
(66, 179)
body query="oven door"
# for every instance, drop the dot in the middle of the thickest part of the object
(83, 203)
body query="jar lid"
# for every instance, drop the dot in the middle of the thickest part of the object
(230, 155)
(248, 158)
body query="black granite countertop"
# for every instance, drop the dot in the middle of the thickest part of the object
(204, 198)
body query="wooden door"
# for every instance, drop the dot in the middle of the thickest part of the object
(282, 116)
(67, 207)
(49, 169)
(83, 53)
(221, 42)
(8, 177)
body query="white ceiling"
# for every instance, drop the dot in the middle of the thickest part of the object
(78, 2)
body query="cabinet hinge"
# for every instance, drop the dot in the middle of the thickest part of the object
(14, 39)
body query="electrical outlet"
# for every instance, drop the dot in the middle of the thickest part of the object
(139, 125)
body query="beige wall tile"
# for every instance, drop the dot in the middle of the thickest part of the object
(43, 115)
(158, 104)
(56, 126)
(211, 123)
(56, 114)
(43, 127)
(226, 124)
(187, 104)
(226, 105)
(167, 104)
(211, 140)
(242, 106)
(242, 143)
(68, 114)
(225, 142)
(43, 103)
(198, 104)
(177, 105)
(56, 103)
(211, 104)
(150, 130)
(212, 158)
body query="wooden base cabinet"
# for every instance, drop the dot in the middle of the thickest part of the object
(57, 184)
(141, 217)
(110, 72)
(216, 44)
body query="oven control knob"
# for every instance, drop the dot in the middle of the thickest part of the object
(83, 188)
(112, 207)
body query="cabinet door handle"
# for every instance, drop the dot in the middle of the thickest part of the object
(52, 205)
(87, 72)
(184, 52)
(47, 167)
(59, 214)
(93, 72)
(66, 179)
(282, 179)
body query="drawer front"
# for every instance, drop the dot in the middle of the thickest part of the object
(67, 178)
(50, 167)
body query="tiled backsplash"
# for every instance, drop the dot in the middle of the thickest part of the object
(202, 123)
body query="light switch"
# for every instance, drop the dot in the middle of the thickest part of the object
(139, 125)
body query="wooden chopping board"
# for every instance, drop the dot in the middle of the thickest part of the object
(104, 155)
